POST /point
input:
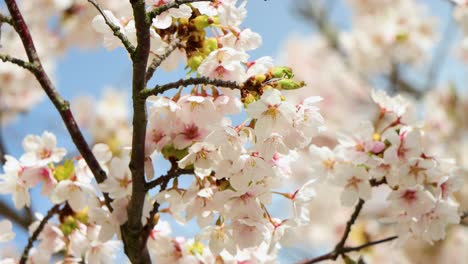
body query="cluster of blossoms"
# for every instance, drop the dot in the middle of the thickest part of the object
(390, 152)
(20, 91)
(443, 133)
(388, 33)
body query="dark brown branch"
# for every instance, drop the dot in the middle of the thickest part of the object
(464, 215)
(349, 224)
(171, 174)
(135, 248)
(158, 89)
(340, 248)
(374, 182)
(159, 10)
(330, 256)
(160, 58)
(163, 181)
(60, 104)
(37, 232)
(115, 29)
(24, 219)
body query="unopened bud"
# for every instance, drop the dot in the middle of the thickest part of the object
(201, 22)
(195, 61)
(209, 45)
(288, 84)
(281, 72)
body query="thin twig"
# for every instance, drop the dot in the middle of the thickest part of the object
(158, 89)
(160, 58)
(340, 249)
(464, 215)
(337, 251)
(159, 10)
(163, 181)
(37, 232)
(171, 174)
(6, 19)
(115, 29)
(345, 250)
(24, 220)
(23, 64)
(349, 224)
(60, 104)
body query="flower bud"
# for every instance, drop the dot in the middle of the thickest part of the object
(288, 84)
(171, 152)
(250, 98)
(281, 72)
(209, 45)
(258, 79)
(82, 215)
(203, 21)
(68, 225)
(195, 61)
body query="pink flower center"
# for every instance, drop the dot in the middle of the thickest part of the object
(191, 132)
(409, 196)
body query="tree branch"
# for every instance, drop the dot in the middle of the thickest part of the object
(21, 63)
(330, 256)
(340, 249)
(135, 248)
(158, 89)
(116, 29)
(159, 10)
(37, 232)
(24, 220)
(171, 174)
(6, 19)
(160, 58)
(163, 181)
(60, 104)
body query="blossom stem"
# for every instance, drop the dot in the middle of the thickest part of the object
(6, 19)
(160, 58)
(159, 10)
(23, 64)
(127, 44)
(37, 232)
(60, 104)
(171, 174)
(158, 89)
